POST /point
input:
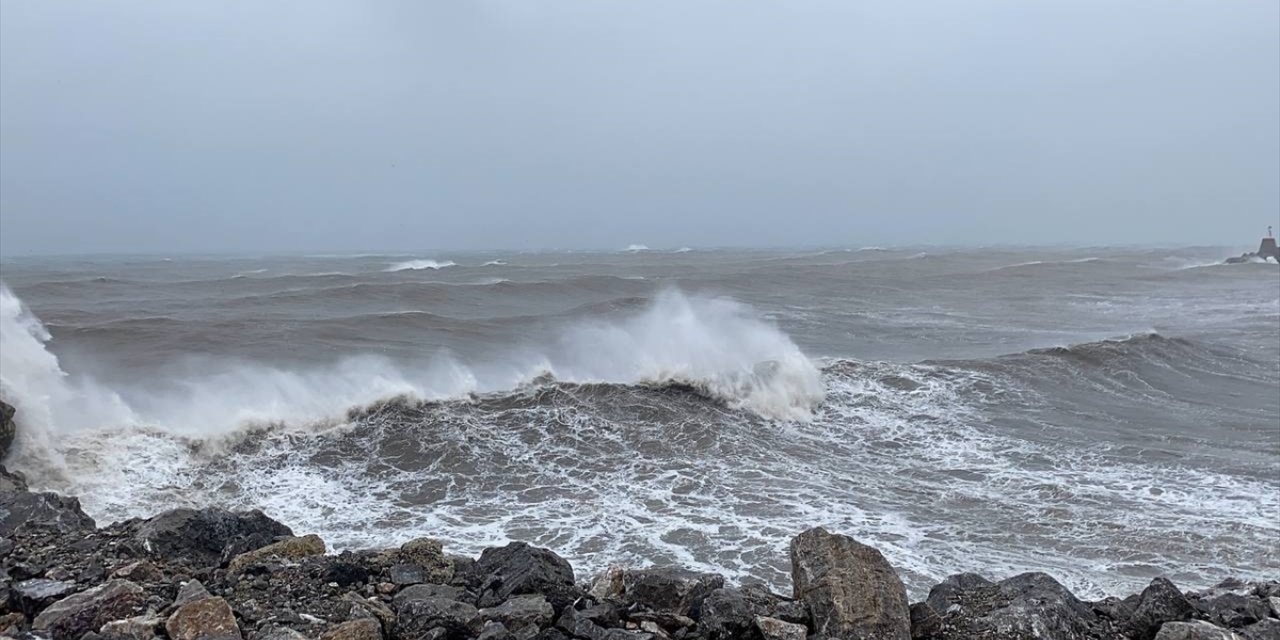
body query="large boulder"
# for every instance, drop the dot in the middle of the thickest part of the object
(360, 629)
(289, 549)
(207, 537)
(22, 510)
(852, 591)
(518, 569)
(775, 629)
(76, 615)
(669, 589)
(422, 617)
(1194, 630)
(726, 614)
(1030, 605)
(203, 619)
(8, 430)
(32, 596)
(522, 615)
(1159, 603)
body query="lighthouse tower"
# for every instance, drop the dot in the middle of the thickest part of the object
(1268, 247)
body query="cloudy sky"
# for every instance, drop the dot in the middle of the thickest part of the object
(298, 126)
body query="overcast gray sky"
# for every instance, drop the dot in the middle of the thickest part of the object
(261, 126)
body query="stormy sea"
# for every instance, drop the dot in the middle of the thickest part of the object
(1105, 415)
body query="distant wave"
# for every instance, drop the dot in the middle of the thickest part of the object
(635, 248)
(495, 263)
(417, 265)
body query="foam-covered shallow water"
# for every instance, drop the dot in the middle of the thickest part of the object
(1105, 415)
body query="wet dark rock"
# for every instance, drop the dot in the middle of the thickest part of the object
(925, 622)
(1233, 609)
(78, 614)
(1193, 630)
(8, 430)
(942, 594)
(726, 613)
(521, 613)
(204, 619)
(32, 596)
(207, 537)
(518, 569)
(277, 632)
(190, 592)
(417, 618)
(1030, 605)
(288, 549)
(140, 571)
(405, 574)
(1268, 629)
(851, 590)
(22, 510)
(427, 555)
(669, 589)
(346, 573)
(1159, 603)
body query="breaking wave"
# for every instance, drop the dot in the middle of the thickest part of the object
(418, 265)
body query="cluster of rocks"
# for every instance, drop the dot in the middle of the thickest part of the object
(212, 574)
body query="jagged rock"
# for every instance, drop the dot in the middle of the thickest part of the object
(76, 615)
(1268, 629)
(22, 510)
(428, 555)
(608, 585)
(1159, 603)
(362, 629)
(369, 608)
(11, 624)
(190, 591)
(32, 596)
(1234, 609)
(8, 430)
(1194, 630)
(941, 594)
(416, 617)
(592, 622)
(207, 537)
(204, 619)
(775, 629)
(771, 605)
(670, 589)
(670, 622)
(925, 622)
(141, 571)
(725, 613)
(851, 590)
(144, 627)
(346, 573)
(1030, 605)
(521, 612)
(494, 631)
(407, 574)
(519, 568)
(287, 549)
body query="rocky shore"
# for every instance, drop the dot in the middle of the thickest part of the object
(212, 574)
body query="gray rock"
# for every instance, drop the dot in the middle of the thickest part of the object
(1031, 605)
(519, 568)
(207, 537)
(494, 631)
(417, 617)
(204, 619)
(941, 595)
(669, 589)
(76, 615)
(852, 591)
(32, 596)
(144, 627)
(428, 556)
(22, 510)
(1234, 609)
(608, 585)
(8, 430)
(406, 574)
(1194, 630)
(925, 622)
(775, 629)
(726, 614)
(362, 629)
(1268, 629)
(1159, 603)
(520, 613)
(277, 632)
(190, 591)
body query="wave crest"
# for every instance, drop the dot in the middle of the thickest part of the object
(418, 265)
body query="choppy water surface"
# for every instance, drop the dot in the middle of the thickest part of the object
(1106, 415)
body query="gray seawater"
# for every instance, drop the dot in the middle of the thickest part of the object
(1102, 414)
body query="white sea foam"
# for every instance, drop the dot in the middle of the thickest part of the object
(418, 265)
(495, 263)
(636, 248)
